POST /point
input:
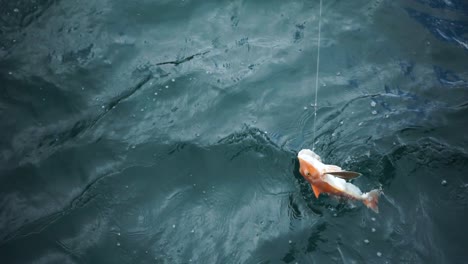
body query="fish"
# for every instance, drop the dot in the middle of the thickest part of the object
(331, 179)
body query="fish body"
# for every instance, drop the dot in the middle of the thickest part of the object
(325, 179)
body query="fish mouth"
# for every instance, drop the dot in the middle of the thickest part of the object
(308, 156)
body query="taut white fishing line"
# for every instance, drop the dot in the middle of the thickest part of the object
(317, 71)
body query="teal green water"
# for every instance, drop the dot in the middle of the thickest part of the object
(167, 131)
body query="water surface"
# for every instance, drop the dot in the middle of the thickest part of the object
(167, 131)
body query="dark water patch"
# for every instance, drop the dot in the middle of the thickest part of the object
(444, 4)
(443, 29)
(448, 78)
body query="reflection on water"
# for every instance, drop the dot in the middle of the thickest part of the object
(167, 131)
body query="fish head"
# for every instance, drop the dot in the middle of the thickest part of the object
(310, 165)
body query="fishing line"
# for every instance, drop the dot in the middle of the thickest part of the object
(317, 71)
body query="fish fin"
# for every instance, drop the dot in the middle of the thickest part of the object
(316, 191)
(347, 175)
(372, 199)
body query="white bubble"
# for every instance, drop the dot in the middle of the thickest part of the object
(173, 226)
(373, 230)
(386, 116)
(443, 182)
(379, 254)
(290, 241)
(374, 112)
(155, 93)
(366, 241)
(173, 80)
(103, 106)
(305, 107)
(373, 103)
(341, 122)
(373, 219)
(192, 231)
(338, 73)
(16, 10)
(118, 244)
(118, 233)
(167, 86)
(360, 124)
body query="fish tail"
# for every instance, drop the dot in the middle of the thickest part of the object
(371, 199)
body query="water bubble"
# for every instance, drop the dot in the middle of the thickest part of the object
(360, 124)
(203, 192)
(167, 86)
(173, 226)
(379, 254)
(16, 10)
(373, 103)
(173, 80)
(374, 112)
(266, 132)
(142, 109)
(305, 107)
(192, 231)
(338, 73)
(366, 241)
(341, 122)
(373, 230)
(118, 233)
(443, 182)
(197, 135)
(82, 88)
(155, 93)
(373, 219)
(194, 185)
(289, 241)
(103, 106)
(386, 116)
(118, 244)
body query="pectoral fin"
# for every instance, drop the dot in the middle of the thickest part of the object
(316, 191)
(347, 175)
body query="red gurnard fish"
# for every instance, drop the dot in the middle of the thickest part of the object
(324, 179)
